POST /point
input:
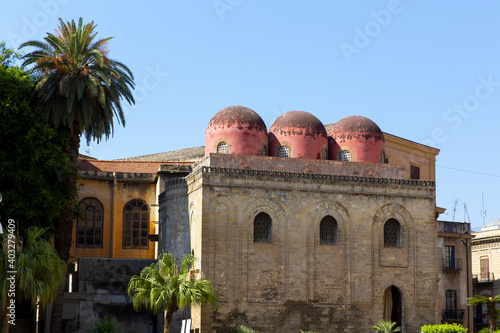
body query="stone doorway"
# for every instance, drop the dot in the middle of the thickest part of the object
(393, 306)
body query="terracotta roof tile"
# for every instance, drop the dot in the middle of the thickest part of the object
(126, 166)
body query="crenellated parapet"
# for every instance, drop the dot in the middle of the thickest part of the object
(206, 170)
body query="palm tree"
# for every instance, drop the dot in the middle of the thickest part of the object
(491, 303)
(82, 89)
(386, 327)
(39, 271)
(163, 285)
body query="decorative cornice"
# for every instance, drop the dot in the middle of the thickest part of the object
(207, 170)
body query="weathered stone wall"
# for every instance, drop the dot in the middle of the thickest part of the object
(294, 282)
(102, 285)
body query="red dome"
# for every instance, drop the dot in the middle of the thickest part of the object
(302, 133)
(360, 136)
(236, 130)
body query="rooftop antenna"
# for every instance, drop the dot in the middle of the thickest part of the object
(455, 209)
(483, 212)
(466, 213)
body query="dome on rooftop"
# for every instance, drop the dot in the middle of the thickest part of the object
(358, 139)
(300, 134)
(236, 130)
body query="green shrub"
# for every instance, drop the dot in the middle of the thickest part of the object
(244, 329)
(444, 328)
(386, 327)
(105, 325)
(486, 330)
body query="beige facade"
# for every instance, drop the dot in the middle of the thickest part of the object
(454, 284)
(293, 281)
(485, 267)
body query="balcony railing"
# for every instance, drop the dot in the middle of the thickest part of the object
(453, 315)
(453, 227)
(483, 278)
(452, 266)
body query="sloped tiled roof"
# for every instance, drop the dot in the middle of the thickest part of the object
(127, 166)
(188, 154)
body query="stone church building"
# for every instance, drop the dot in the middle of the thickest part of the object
(303, 228)
(299, 227)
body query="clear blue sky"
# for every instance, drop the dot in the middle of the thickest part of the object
(427, 71)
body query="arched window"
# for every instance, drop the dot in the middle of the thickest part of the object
(89, 225)
(328, 231)
(222, 148)
(135, 225)
(262, 228)
(284, 151)
(382, 157)
(392, 233)
(263, 150)
(345, 155)
(324, 153)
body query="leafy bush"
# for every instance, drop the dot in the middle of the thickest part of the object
(386, 327)
(486, 330)
(444, 328)
(244, 329)
(105, 325)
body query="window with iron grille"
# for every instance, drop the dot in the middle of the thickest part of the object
(263, 150)
(89, 226)
(328, 231)
(135, 225)
(392, 233)
(324, 153)
(382, 157)
(284, 151)
(345, 155)
(222, 148)
(449, 257)
(262, 228)
(451, 304)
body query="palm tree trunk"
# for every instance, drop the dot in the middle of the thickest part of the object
(491, 316)
(64, 226)
(167, 321)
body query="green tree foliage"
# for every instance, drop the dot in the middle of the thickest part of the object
(386, 327)
(487, 330)
(491, 303)
(444, 328)
(32, 156)
(8, 56)
(105, 325)
(162, 285)
(82, 89)
(39, 270)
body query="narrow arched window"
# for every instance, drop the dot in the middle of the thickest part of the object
(222, 148)
(135, 225)
(382, 157)
(284, 151)
(324, 153)
(90, 223)
(263, 150)
(262, 228)
(328, 231)
(392, 233)
(345, 155)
